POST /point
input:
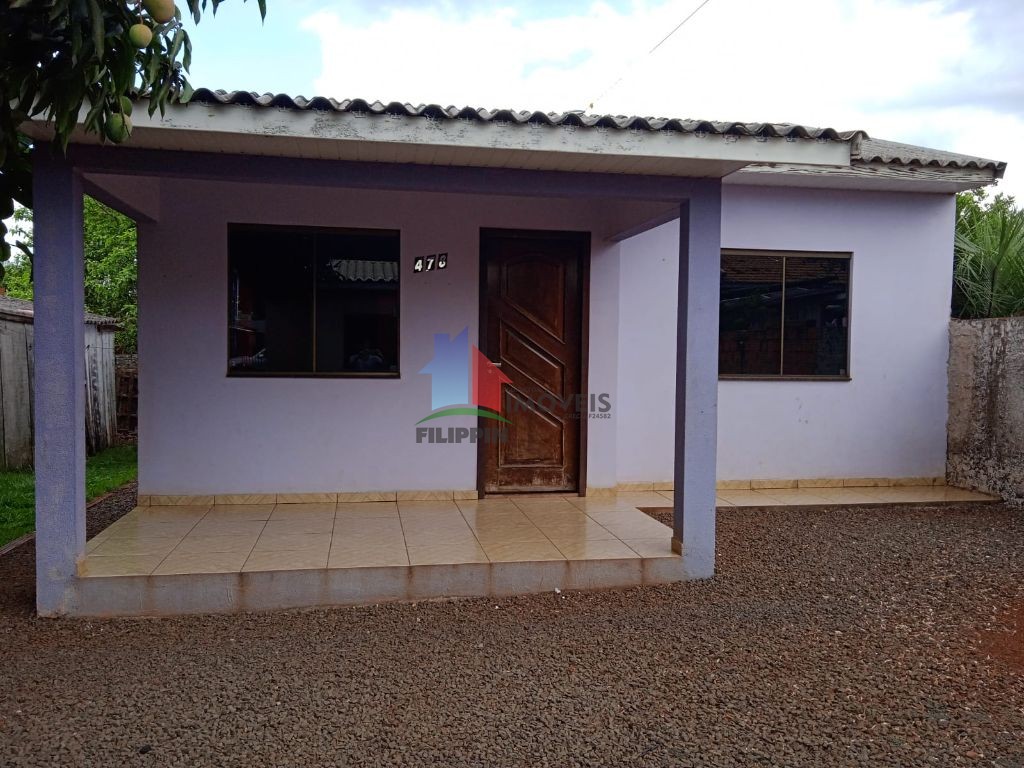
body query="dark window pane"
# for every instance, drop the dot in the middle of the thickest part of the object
(312, 301)
(817, 316)
(357, 303)
(270, 314)
(750, 324)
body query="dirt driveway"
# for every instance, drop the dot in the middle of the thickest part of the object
(879, 637)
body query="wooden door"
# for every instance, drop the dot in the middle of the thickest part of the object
(532, 324)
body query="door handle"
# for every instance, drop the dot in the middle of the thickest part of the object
(496, 365)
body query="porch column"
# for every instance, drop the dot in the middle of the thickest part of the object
(58, 267)
(700, 238)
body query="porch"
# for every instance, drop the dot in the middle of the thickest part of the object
(205, 558)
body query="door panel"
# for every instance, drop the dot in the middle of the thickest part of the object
(532, 325)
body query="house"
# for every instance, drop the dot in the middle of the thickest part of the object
(16, 376)
(387, 302)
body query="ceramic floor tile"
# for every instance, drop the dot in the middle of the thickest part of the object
(240, 512)
(447, 553)
(522, 551)
(540, 506)
(370, 509)
(226, 526)
(420, 538)
(427, 506)
(168, 514)
(480, 505)
(550, 516)
(114, 547)
(201, 562)
(368, 556)
(281, 542)
(493, 518)
(638, 529)
(427, 525)
(296, 510)
(357, 525)
(194, 545)
(670, 495)
(919, 494)
(134, 529)
(606, 549)
(748, 498)
(300, 524)
(618, 516)
(719, 501)
(846, 496)
(492, 533)
(287, 560)
(582, 530)
(654, 547)
(797, 497)
(121, 565)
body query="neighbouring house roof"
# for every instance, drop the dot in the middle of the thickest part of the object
(21, 309)
(366, 271)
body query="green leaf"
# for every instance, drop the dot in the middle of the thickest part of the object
(98, 30)
(179, 38)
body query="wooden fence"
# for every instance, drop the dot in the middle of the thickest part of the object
(16, 379)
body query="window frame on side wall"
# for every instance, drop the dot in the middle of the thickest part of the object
(846, 256)
(311, 231)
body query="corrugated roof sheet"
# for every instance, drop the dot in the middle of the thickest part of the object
(522, 117)
(868, 150)
(22, 308)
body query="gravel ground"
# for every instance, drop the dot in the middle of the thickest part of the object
(866, 637)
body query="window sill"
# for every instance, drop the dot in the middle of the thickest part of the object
(757, 377)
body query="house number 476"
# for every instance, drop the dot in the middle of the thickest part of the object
(430, 263)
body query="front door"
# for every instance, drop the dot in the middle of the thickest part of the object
(532, 325)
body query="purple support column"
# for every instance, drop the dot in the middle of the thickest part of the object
(700, 243)
(59, 379)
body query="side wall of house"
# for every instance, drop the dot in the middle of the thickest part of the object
(888, 421)
(201, 432)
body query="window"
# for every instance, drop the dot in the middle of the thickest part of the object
(309, 302)
(784, 315)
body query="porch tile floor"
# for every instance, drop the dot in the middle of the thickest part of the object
(244, 538)
(241, 557)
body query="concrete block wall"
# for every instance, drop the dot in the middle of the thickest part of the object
(985, 449)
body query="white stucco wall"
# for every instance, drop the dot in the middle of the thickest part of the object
(889, 421)
(201, 432)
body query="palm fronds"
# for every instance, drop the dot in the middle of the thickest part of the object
(988, 272)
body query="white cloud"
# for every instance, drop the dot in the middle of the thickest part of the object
(891, 68)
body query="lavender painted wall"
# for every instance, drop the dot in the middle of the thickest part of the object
(201, 432)
(889, 421)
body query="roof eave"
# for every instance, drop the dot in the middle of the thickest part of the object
(387, 137)
(869, 176)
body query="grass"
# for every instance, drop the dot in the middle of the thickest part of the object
(104, 472)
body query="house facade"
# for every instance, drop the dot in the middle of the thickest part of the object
(349, 302)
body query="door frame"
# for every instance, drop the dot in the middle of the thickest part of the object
(583, 240)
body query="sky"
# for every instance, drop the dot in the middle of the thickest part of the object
(941, 73)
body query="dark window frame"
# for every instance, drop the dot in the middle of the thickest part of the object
(784, 255)
(309, 230)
